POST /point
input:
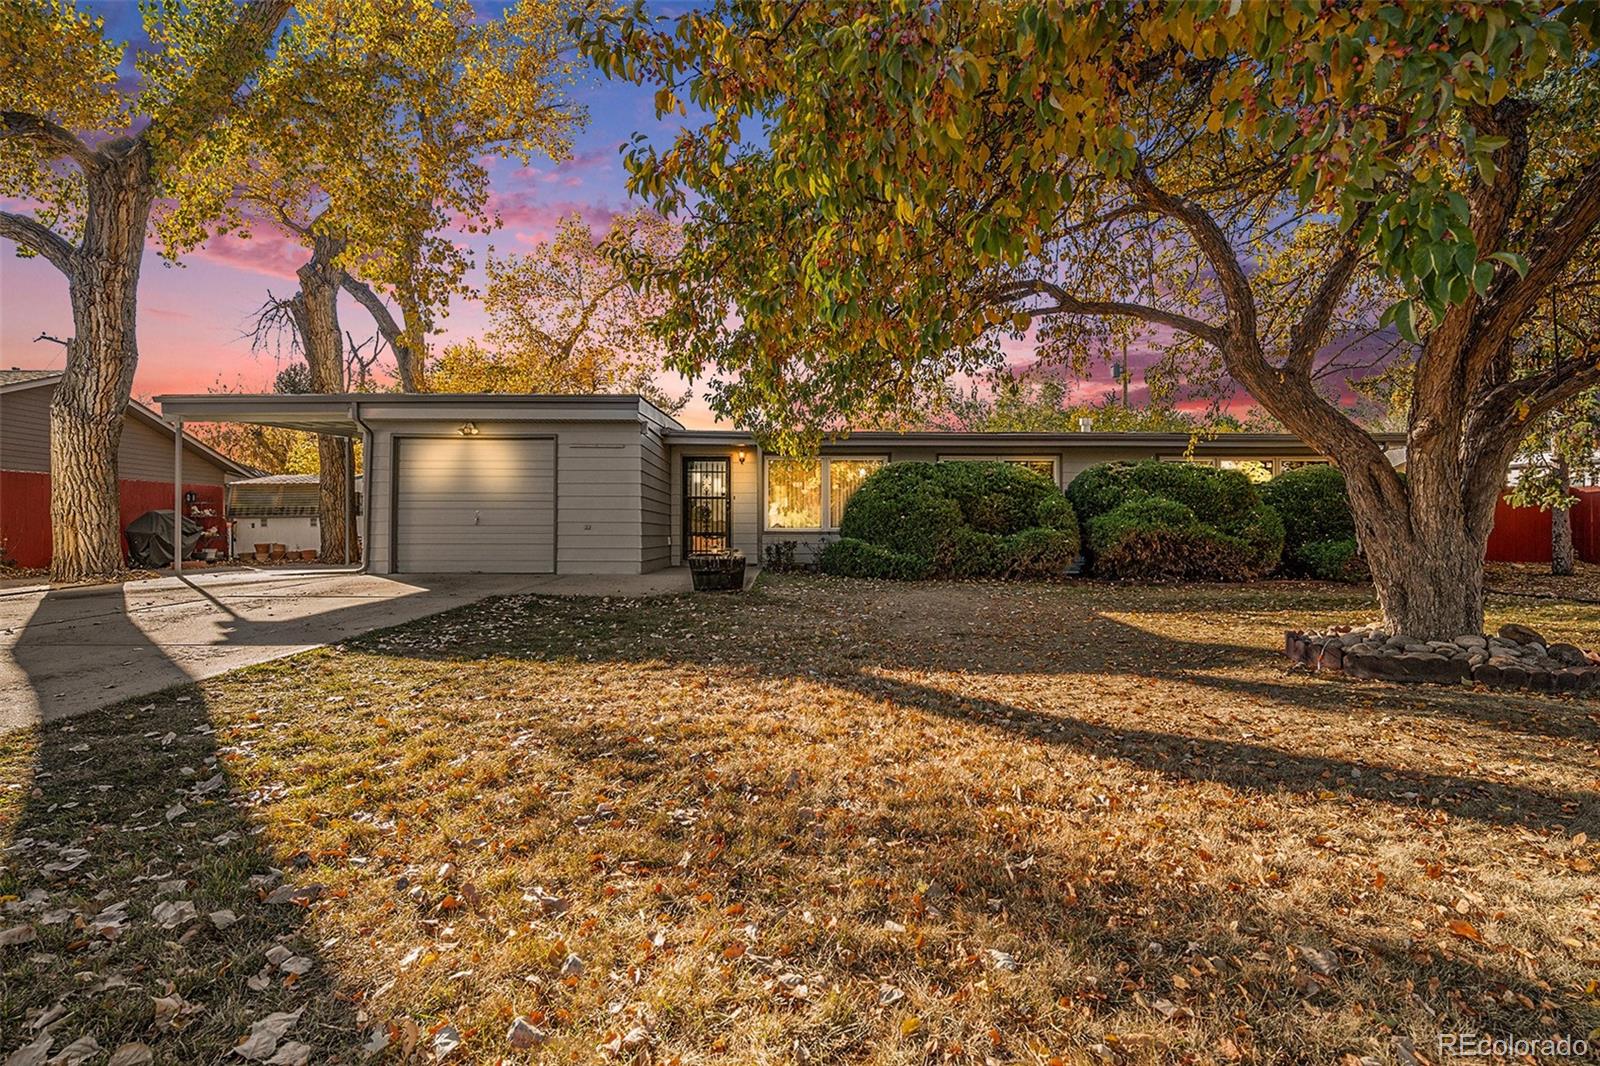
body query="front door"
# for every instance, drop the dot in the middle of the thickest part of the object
(705, 505)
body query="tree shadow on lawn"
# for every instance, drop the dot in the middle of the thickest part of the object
(121, 834)
(866, 878)
(544, 629)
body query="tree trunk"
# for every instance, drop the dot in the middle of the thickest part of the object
(316, 314)
(1426, 546)
(1561, 553)
(88, 406)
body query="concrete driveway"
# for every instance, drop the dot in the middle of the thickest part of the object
(67, 651)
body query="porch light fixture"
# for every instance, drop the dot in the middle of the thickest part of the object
(742, 453)
(469, 429)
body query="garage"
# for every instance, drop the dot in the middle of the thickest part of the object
(475, 504)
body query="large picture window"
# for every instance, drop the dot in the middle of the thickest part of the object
(1043, 465)
(810, 494)
(794, 494)
(844, 477)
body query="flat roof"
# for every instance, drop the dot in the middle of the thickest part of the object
(341, 413)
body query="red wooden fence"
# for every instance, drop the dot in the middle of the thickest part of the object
(1522, 534)
(25, 512)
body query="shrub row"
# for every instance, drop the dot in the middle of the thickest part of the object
(963, 520)
(1144, 520)
(1175, 520)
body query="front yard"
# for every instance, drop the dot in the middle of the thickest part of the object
(825, 821)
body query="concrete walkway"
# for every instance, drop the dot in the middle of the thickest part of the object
(71, 650)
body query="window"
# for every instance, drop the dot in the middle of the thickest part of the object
(802, 492)
(1043, 465)
(794, 494)
(1256, 470)
(844, 477)
(1285, 465)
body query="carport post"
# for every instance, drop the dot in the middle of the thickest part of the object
(177, 496)
(348, 461)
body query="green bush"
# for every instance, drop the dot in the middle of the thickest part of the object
(1319, 530)
(849, 557)
(1215, 496)
(1056, 512)
(1337, 559)
(1040, 553)
(1175, 520)
(959, 520)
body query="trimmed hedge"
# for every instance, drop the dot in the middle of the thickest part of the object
(961, 519)
(849, 557)
(1175, 520)
(1319, 530)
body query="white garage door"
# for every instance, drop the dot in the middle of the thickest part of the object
(480, 504)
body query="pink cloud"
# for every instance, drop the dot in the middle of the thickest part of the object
(266, 251)
(531, 219)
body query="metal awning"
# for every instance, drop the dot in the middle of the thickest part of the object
(331, 415)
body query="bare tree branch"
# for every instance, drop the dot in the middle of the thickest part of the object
(1066, 303)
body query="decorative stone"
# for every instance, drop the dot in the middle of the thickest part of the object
(1495, 662)
(1513, 676)
(1570, 654)
(1517, 634)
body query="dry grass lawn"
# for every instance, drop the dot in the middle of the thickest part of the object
(819, 822)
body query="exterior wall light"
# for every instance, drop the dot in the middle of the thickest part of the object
(743, 452)
(469, 429)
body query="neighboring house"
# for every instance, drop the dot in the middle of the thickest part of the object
(611, 484)
(277, 509)
(144, 469)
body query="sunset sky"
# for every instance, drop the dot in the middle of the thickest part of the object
(192, 316)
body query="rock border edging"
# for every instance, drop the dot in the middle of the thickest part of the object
(1516, 658)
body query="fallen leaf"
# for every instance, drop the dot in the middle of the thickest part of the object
(264, 1035)
(523, 1034)
(172, 913)
(445, 1042)
(31, 1054)
(80, 1050)
(17, 934)
(132, 1055)
(1465, 930)
(1324, 962)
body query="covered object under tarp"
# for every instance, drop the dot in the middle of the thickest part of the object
(150, 538)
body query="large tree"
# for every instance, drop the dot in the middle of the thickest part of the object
(565, 318)
(367, 142)
(92, 159)
(883, 190)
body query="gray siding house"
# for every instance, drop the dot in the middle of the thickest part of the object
(612, 485)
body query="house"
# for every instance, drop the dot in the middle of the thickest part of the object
(611, 484)
(144, 469)
(277, 509)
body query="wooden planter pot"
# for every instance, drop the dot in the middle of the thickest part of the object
(717, 572)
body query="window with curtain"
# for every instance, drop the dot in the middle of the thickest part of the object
(844, 477)
(794, 494)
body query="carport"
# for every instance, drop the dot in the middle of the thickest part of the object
(330, 416)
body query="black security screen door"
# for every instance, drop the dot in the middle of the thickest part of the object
(705, 505)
